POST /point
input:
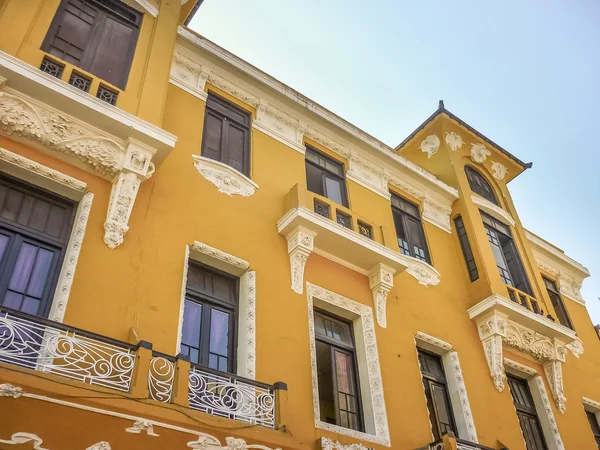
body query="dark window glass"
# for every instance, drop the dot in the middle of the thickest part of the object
(409, 229)
(209, 318)
(339, 397)
(97, 35)
(527, 414)
(593, 420)
(505, 253)
(325, 176)
(226, 134)
(557, 303)
(34, 230)
(479, 185)
(465, 245)
(436, 393)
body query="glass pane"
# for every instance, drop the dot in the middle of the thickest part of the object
(320, 325)
(314, 182)
(344, 373)
(39, 276)
(3, 244)
(325, 382)
(441, 406)
(30, 306)
(12, 205)
(219, 332)
(341, 332)
(334, 190)
(12, 300)
(23, 267)
(334, 167)
(192, 318)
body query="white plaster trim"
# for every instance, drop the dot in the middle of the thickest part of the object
(67, 186)
(143, 6)
(214, 257)
(227, 180)
(202, 95)
(459, 399)
(23, 438)
(556, 252)
(329, 444)
(493, 210)
(204, 441)
(263, 129)
(593, 405)
(340, 261)
(544, 408)
(350, 176)
(519, 369)
(374, 410)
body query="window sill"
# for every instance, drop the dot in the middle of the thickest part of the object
(493, 210)
(227, 180)
(352, 433)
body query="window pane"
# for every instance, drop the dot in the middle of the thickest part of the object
(192, 320)
(211, 147)
(325, 382)
(219, 332)
(341, 332)
(23, 267)
(441, 406)
(344, 373)
(39, 276)
(3, 244)
(334, 190)
(236, 147)
(314, 180)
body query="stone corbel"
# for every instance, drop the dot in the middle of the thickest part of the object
(381, 282)
(300, 245)
(492, 329)
(137, 167)
(553, 370)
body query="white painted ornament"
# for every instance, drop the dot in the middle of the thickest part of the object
(479, 153)
(499, 170)
(454, 141)
(430, 145)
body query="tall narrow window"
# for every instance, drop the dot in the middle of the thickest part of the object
(96, 35)
(479, 185)
(409, 229)
(465, 245)
(557, 303)
(593, 420)
(505, 252)
(527, 414)
(325, 176)
(226, 135)
(339, 399)
(34, 231)
(436, 393)
(209, 318)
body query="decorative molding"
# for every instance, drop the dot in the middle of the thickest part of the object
(368, 175)
(102, 445)
(220, 255)
(492, 329)
(204, 442)
(280, 126)
(328, 444)
(442, 345)
(430, 145)
(591, 403)
(479, 153)
(424, 273)
(464, 399)
(23, 438)
(43, 171)
(144, 6)
(184, 277)
(227, 180)
(521, 368)
(539, 346)
(381, 282)
(557, 441)
(142, 425)
(67, 271)
(372, 387)
(494, 210)
(8, 390)
(454, 141)
(500, 171)
(576, 347)
(553, 371)
(300, 245)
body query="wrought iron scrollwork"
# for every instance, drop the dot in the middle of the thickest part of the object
(160, 379)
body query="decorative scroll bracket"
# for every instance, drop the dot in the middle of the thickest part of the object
(381, 282)
(137, 168)
(553, 370)
(300, 245)
(492, 329)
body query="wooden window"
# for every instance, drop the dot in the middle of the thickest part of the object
(479, 185)
(34, 230)
(339, 394)
(558, 304)
(593, 420)
(226, 134)
(409, 229)
(325, 176)
(98, 36)
(527, 414)
(209, 318)
(505, 253)
(465, 245)
(436, 393)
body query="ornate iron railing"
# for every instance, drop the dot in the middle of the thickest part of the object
(51, 347)
(161, 375)
(460, 445)
(226, 395)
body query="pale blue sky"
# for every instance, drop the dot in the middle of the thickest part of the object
(524, 73)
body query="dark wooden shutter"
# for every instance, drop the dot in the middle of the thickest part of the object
(465, 245)
(515, 265)
(527, 414)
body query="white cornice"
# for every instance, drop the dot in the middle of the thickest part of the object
(493, 210)
(557, 254)
(144, 6)
(373, 146)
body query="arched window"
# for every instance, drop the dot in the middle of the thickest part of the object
(479, 185)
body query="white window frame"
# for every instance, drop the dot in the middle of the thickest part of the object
(59, 183)
(367, 356)
(459, 401)
(542, 403)
(213, 257)
(592, 406)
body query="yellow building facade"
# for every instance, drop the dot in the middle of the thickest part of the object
(194, 255)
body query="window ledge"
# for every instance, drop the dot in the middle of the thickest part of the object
(352, 433)
(493, 210)
(227, 180)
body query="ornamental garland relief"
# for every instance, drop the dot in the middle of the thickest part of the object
(454, 141)
(499, 170)
(430, 145)
(479, 153)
